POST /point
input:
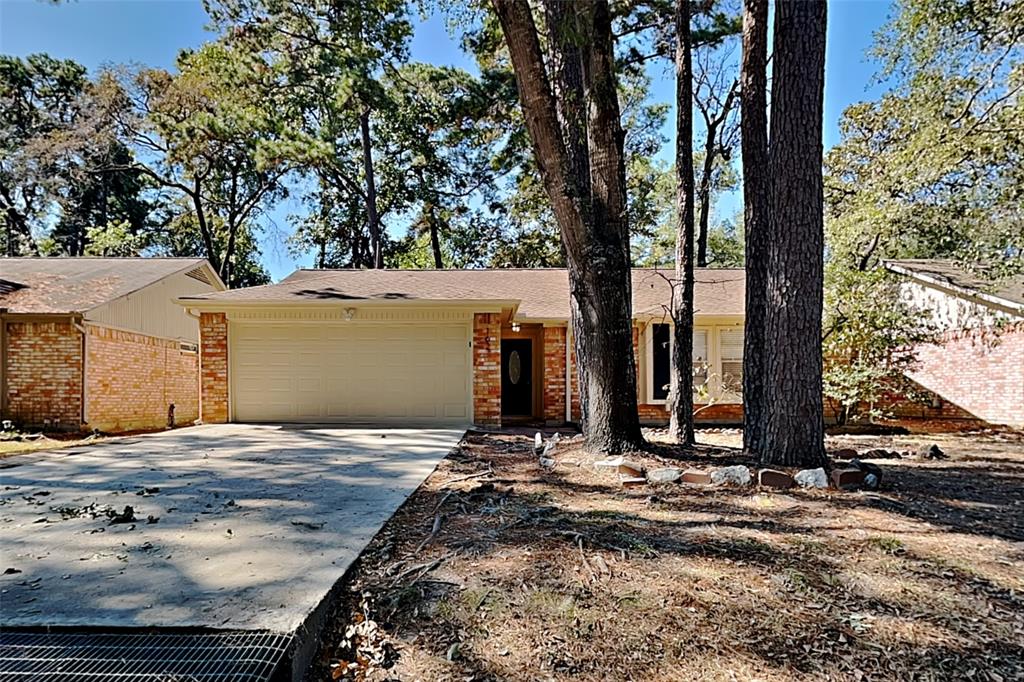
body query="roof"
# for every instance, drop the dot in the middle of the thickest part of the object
(542, 293)
(1006, 290)
(76, 285)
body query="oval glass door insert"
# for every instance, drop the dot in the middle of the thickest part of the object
(515, 367)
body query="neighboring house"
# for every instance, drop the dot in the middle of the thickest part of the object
(978, 362)
(444, 346)
(98, 343)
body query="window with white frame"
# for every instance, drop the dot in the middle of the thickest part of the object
(730, 354)
(660, 336)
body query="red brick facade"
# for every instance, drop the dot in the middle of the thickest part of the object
(980, 371)
(213, 368)
(132, 379)
(554, 375)
(44, 374)
(487, 369)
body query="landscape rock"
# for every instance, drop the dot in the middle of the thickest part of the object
(666, 475)
(696, 477)
(844, 453)
(932, 451)
(879, 453)
(812, 478)
(773, 478)
(609, 463)
(849, 478)
(734, 475)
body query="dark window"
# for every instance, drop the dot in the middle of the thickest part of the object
(661, 362)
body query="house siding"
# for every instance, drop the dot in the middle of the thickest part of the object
(554, 375)
(44, 374)
(213, 368)
(978, 370)
(132, 380)
(487, 369)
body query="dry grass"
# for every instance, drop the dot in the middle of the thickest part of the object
(45, 442)
(538, 575)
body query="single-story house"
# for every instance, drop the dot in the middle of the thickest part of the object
(489, 347)
(98, 343)
(977, 363)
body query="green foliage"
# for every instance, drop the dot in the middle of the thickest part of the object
(933, 169)
(869, 333)
(55, 183)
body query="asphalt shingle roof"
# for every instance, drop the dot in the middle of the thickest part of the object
(71, 285)
(543, 293)
(1009, 288)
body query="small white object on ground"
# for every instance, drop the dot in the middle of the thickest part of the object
(547, 462)
(812, 478)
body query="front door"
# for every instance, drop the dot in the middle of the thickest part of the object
(517, 377)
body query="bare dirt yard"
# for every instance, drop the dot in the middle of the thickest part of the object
(499, 569)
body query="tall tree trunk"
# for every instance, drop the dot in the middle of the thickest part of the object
(435, 237)
(578, 144)
(372, 217)
(754, 149)
(681, 393)
(704, 193)
(196, 194)
(795, 427)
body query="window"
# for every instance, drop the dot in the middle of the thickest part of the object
(661, 360)
(701, 361)
(731, 353)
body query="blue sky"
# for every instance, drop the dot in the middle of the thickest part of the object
(151, 32)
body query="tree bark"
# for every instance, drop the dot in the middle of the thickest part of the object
(754, 150)
(704, 194)
(794, 434)
(577, 141)
(435, 238)
(681, 393)
(372, 216)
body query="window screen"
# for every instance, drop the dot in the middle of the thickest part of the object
(700, 360)
(731, 342)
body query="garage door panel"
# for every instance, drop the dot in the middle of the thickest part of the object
(350, 372)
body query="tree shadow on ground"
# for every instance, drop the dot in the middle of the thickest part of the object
(569, 577)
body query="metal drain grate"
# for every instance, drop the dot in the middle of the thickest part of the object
(198, 657)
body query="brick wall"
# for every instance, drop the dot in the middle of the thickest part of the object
(554, 375)
(487, 369)
(981, 371)
(132, 379)
(44, 374)
(213, 367)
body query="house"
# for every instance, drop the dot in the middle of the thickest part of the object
(489, 347)
(98, 343)
(977, 363)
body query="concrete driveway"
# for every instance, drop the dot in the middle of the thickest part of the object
(245, 527)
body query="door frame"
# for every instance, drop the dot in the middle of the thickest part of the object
(535, 334)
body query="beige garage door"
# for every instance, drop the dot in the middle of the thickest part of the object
(352, 372)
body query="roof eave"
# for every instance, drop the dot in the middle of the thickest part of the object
(988, 300)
